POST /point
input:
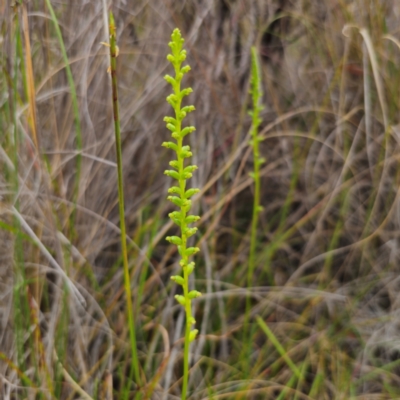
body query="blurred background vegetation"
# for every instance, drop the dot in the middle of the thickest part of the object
(325, 310)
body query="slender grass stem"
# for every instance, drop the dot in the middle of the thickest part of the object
(75, 108)
(21, 306)
(30, 79)
(127, 281)
(279, 347)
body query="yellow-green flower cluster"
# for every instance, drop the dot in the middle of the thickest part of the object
(180, 172)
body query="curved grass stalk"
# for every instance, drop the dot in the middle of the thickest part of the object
(127, 282)
(180, 196)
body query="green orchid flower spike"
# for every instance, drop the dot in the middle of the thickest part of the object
(179, 195)
(256, 94)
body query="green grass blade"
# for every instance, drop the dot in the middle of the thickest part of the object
(75, 106)
(278, 346)
(127, 281)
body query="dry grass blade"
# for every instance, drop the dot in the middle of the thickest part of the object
(30, 78)
(49, 257)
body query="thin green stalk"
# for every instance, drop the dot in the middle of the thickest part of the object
(286, 391)
(75, 107)
(144, 267)
(21, 306)
(278, 347)
(127, 281)
(179, 195)
(20, 300)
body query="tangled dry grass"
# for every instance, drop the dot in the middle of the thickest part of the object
(327, 275)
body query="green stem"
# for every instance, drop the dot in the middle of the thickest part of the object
(75, 108)
(127, 283)
(279, 347)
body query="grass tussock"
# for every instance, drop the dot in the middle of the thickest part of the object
(317, 318)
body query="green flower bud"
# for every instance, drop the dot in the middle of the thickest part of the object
(194, 294)
(191, 250)
(190, 168)
(190, 267)
(171, 99)
(191, 192)
(188, 109)
(174, 240)
(178, 279)
(170, 79)
(190, 232)
(170, 120)
(175, 214)
(186, 154)
(170, 145)
(174, 189)
(176, 200)
(174, 164)
(193, 335)
(176, 36)
(176, 135)
(191, 218)
(171, 127)
(176, 222)
(185, 92)
(180, 299)
(187, 204)
(176, 217)
(172, 174)
(187, 130)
